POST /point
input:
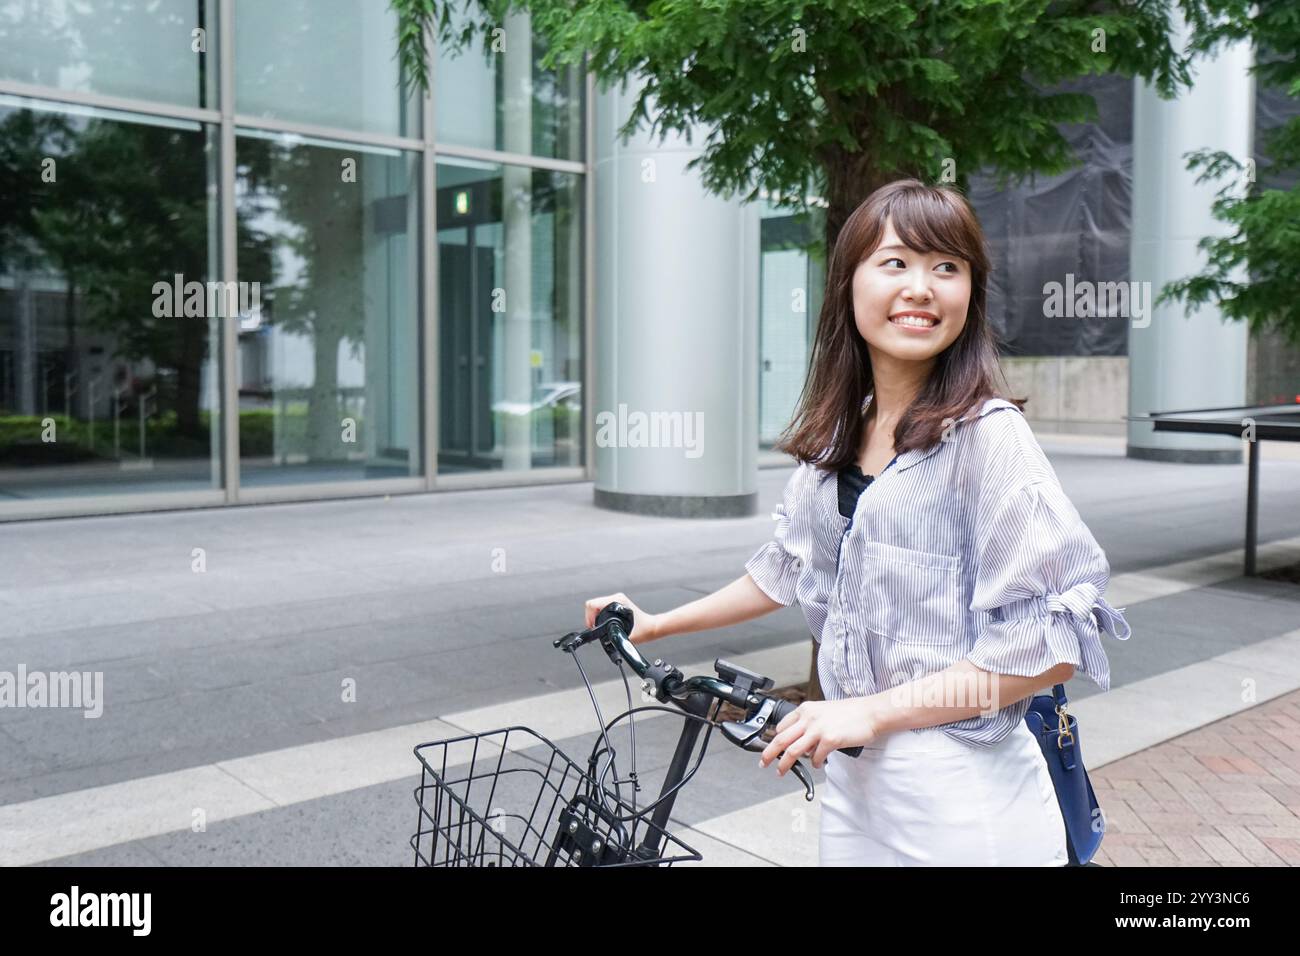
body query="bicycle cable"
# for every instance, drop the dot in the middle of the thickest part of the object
(610, 764)
(631, 731)
(618, 794)
(704, 746)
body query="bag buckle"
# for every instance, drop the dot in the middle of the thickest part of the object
(1063, 729)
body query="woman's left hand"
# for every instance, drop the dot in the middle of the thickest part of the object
(818, 727)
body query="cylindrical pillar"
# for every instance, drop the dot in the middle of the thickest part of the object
(1178, 360)
(676, 404)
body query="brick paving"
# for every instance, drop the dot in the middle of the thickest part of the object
(1227, 794)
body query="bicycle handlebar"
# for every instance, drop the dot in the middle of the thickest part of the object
(665, 682)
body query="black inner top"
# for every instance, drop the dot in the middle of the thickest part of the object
(852, 483)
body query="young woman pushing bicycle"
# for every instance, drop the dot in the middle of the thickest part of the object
(935, 556)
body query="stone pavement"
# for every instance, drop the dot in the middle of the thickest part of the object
(1226, 794)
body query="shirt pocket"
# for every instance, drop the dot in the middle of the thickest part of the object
(912, 597)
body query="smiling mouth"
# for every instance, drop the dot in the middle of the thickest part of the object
(912, 321)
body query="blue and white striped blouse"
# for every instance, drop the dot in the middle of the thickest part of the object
(967, 549)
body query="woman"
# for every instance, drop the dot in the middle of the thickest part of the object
(944, 572)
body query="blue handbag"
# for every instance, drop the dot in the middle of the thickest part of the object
(1057, 733)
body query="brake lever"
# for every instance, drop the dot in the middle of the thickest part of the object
(748, 735)
(802, 774)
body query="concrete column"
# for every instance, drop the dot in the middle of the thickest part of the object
(1180, 361)
(676, 375)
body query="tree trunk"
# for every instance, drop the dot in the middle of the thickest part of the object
(192, 352)
(850, 178)
(324, 424)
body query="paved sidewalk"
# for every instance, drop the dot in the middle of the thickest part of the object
(1227, 794)
(223, 690)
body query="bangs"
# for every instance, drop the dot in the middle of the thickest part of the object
(929, 221)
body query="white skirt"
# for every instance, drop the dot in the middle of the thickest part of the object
(920, 798)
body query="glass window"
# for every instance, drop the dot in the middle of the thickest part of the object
(108, 338)
(324, 62)
(329, 369)
(791, 283)
(494, 95)
(163, 50)
(510, 282)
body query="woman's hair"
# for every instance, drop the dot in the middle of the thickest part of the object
(829, 415)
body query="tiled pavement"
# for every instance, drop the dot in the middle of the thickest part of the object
(1227, 794)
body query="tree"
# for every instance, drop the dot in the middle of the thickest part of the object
(1266, 240)
(838, 97)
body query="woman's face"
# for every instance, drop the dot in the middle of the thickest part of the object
(893, 281)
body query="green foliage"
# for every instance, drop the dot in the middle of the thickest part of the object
(21, 435)
(77, 439)
(839, 97)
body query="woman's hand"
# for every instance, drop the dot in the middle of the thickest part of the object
(645, 626)
(818, 727)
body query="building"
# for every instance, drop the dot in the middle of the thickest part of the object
(240, 263)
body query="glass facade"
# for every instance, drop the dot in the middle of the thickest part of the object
(322, 62)
(510, 317)
(329, 371)
(500, 98)
(791, 282)
(284, 275)
(161, 50)
(107, 386)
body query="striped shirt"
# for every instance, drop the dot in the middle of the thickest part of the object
(967, 549)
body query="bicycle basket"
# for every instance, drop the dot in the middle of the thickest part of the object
(510, 797)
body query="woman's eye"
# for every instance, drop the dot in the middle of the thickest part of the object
(955, 267)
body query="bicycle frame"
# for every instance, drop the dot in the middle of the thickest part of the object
(698, 704)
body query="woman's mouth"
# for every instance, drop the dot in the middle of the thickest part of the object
(920, 321)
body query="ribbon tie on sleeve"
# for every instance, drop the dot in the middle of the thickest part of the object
(1080, 601)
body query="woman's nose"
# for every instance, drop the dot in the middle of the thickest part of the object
(918, 286)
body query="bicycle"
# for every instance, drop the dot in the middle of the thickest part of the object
(585, 823)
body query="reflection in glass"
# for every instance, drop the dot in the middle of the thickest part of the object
(164, 50)
(510, 317)
(329, 370)
(324, 62)
(495, 96)
(790, 291)
(105, 388)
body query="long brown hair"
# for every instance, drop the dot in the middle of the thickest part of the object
(965, 374)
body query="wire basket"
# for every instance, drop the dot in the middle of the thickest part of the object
(510, 797)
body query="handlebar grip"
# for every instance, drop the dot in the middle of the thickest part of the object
(620, 611)
(786, 707)
(783, 709)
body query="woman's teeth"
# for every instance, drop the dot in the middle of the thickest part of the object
(915, 320)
